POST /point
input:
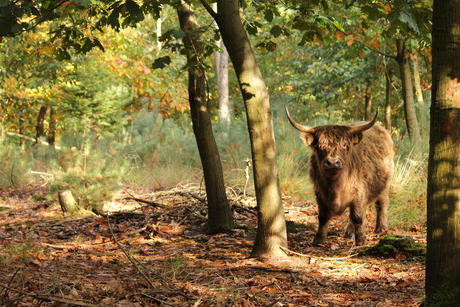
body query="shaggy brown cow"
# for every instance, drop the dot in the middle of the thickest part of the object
(350, 167)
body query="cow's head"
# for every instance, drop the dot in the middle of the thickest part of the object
(331, 143)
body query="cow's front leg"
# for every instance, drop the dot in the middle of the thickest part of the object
(324, 215)
(381, 206)
(357, 218)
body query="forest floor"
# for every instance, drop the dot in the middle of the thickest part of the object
(159, 255)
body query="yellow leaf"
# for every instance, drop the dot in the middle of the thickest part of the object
(47, 50)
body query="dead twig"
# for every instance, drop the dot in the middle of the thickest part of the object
(315, 257)
(48, 298)
(136, 266)
(244, 208)
(150, 203)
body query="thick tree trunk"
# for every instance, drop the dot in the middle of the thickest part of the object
(408, 93)
(388, 98)
(40, 129)
(443, 195)
(271, 231)
(219, 215)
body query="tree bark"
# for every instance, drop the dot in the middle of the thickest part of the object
(388, 98)
(271, 231)
(40, 129)
(368, 102)
(51, 137)
(443, 195)
(417, 83)
(408, 94)
(221, 62)
(67, 201)
(219, 214)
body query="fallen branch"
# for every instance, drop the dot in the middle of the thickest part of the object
(244, 208)
(136, 266)
(315, 257)
(48, 298)
(150, 203)
(28, 138)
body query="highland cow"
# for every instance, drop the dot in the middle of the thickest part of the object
(350, 167)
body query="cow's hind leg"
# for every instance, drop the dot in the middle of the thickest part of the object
(324, 215)
(381, 206)
(357, 218)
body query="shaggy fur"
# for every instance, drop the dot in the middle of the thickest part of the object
(350, 170)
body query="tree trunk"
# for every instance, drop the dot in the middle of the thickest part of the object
(368, 102)
(219, 215)
(388, 98)
(221, 60)
(418, 90)
(40, 129)
(51, 138)
(408, 94)
(222, 87)
(271, 231)
(443, 195)
(417, 83)
(158, 30)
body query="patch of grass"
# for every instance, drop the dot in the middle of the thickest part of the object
(175, 267)
(408, 193)
(19, 253)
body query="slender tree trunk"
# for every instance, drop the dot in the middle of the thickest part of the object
(388, 98)
(51, 138)
(408, 94)
(40, 129)
(368, 102)
(417, 83)
(221, 61)
(219, 214)
(443, 195)
(158, 30)
(225, 112)
(271, 231)
(418, 90)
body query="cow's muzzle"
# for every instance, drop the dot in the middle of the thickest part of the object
(332, 164)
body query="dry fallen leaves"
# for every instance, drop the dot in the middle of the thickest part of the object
(164, 258)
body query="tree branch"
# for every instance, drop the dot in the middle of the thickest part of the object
(209, 9)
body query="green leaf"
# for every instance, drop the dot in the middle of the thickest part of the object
(161, 62)
(179, 34)
(251, 29)
(276, 31)
(268, 14)
(406, 18)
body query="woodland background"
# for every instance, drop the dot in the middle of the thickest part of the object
(105, 112)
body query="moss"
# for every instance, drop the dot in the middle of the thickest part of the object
(445, 296)
(392, 245)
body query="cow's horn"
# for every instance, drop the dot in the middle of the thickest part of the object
(366, 126)
(297, 125)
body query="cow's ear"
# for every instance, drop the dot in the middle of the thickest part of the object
(307, 138)
(357, 137)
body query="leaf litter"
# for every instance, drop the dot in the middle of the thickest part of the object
(158, 254)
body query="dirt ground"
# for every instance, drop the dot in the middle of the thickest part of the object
(157, 254)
